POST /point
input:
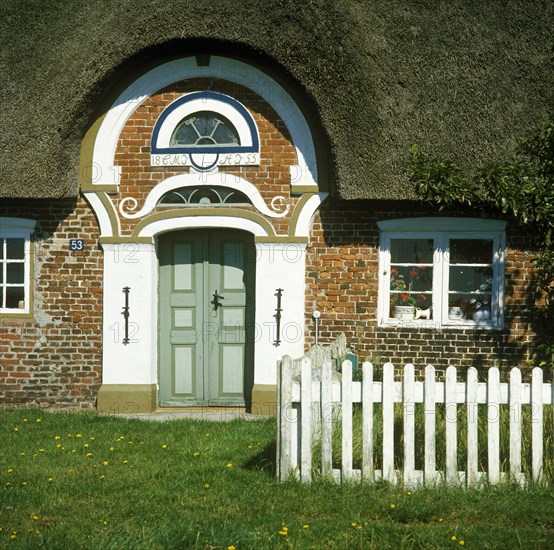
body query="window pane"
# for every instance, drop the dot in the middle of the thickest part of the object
(15, 297)
(411, 278)
(2, 249)
(469, 306)
(417, 251)
(470, 279)
(470, 251)
(15, 273)
(15, 249)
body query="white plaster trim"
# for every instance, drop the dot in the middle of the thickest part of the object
(442, 224)
(101, 214)
(19, 225)
(181, 69)
(191, 222)
(208, 180)
(200, 104)
(303, 225)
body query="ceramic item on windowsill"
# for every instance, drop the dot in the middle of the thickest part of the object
(455, 313)
(404, 313)
(482, 314)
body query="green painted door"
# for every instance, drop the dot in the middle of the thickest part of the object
(206, 315)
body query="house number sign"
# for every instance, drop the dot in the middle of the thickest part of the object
(76, 244)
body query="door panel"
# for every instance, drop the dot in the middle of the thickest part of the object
(206, 278)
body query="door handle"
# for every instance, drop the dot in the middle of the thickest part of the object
(215, 302)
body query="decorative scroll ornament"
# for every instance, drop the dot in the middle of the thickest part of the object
(183, 190)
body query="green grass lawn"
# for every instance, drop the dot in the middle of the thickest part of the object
(79, 480)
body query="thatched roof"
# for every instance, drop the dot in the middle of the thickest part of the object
(461, 79)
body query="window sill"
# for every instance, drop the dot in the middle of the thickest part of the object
(435, 325)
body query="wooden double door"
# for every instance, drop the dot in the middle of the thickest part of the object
(206, 318)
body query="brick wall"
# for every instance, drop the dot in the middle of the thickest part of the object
(342, 283)
(55, 359)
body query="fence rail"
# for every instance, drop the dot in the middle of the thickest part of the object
(309, 409)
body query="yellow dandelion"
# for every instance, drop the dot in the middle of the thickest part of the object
(57, 438)
(230, 547)
(454, 538)
(440, 519)
(206, 485)
(38, 420)
(50, 479)
(353, 524)
(92, 438)
(78, 435)
(86, 445)
(13, 536)
(393, 506)
(35, 517)
(25, 420)
(24, 483)
(229, 465)
(105, 463)
(462, 542)
(125, 462)
(10, 470)
(21, 454)
(102, 477)
(41, 450)
(305, 526)
(409, 493)
(16, 429)
(88, 454)
(58, 446)
(112, 449)
(164, 446)
(196, 454)
(283, 533)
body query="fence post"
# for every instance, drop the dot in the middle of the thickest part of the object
(429, 472)
(472, 427)
(451, 419)
(388, 423)
(346, 399)
(515, 424)
(537, 423)
(367, 421)
(327, 409)
(284, 419)
(306, 420)
(409, 424)
(493, 424)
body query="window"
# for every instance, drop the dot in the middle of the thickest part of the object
(203, 195)
(441, 272)
(15, 265)
(205, 130)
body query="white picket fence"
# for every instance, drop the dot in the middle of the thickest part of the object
(306, 408)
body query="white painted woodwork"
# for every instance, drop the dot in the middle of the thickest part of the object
(295, 453)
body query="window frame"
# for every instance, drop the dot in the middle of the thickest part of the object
(442, 230)
(19, 228)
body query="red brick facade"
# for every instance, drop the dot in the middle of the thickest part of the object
(342, 283)
(56, 358)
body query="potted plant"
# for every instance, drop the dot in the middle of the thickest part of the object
(403, 300)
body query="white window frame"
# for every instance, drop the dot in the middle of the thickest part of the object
(441, 230)
(19, 228)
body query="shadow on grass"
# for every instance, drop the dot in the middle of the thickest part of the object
(264, 461)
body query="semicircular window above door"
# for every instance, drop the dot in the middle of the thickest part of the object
(202, 196)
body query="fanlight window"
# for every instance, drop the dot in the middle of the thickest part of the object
(205, 129)
(193, 196)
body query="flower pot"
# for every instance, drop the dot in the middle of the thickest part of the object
(482, 314)
(404, 312)
(455, 313)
